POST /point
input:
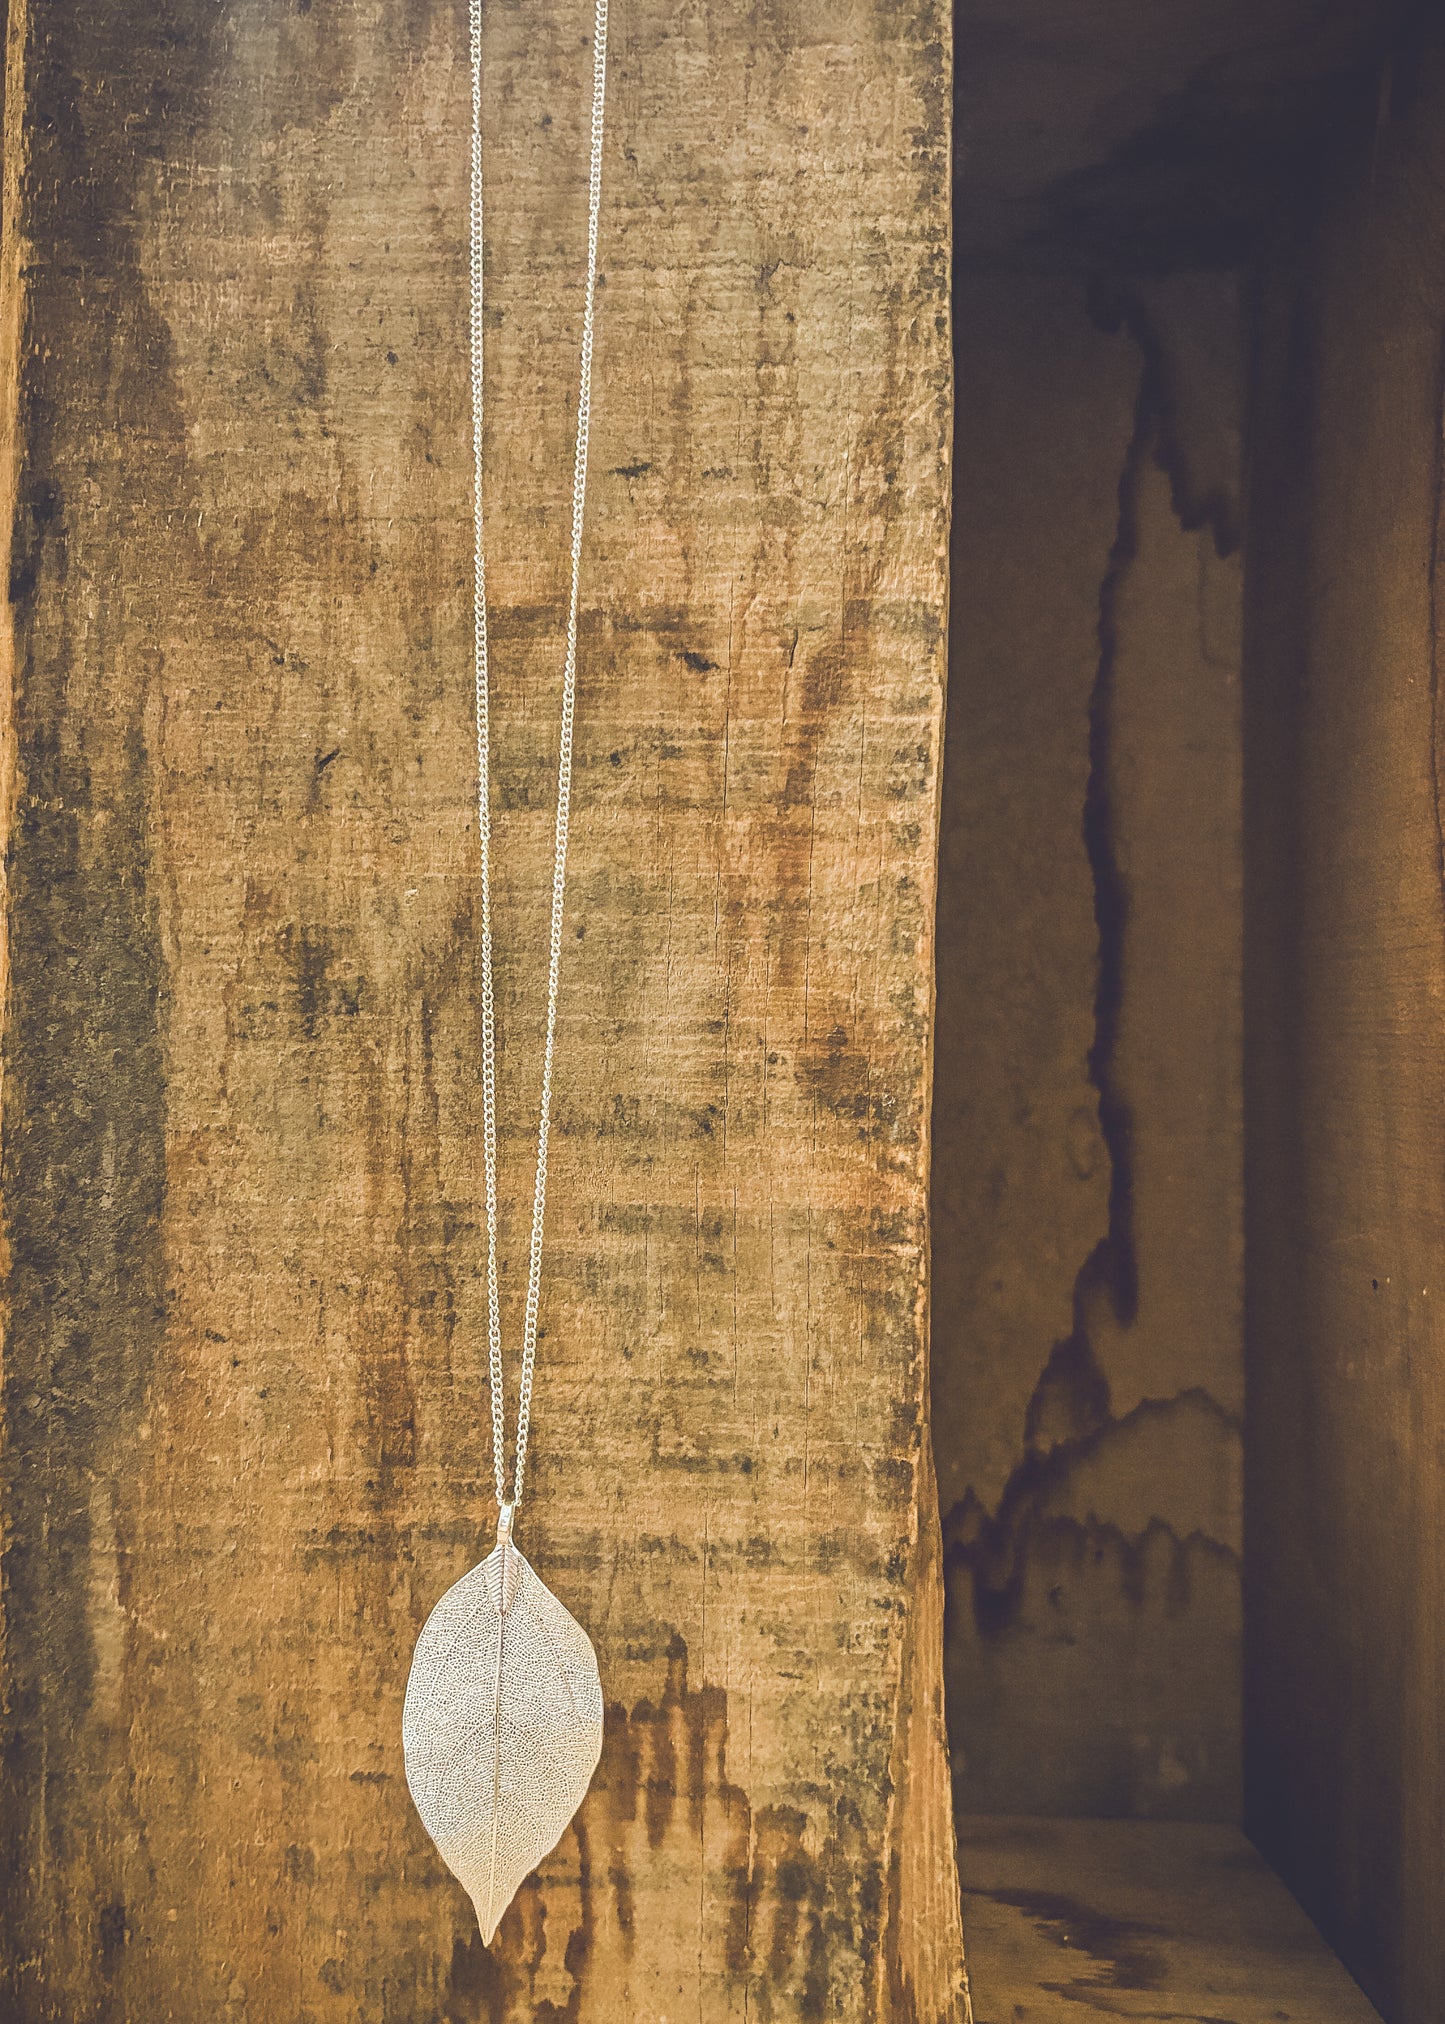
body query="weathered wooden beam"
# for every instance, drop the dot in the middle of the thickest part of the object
(244, 1434)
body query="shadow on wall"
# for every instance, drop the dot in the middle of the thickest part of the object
(1088, 1360)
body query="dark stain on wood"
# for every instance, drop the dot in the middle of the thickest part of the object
(664, 1769)
(1113, 1267)
(1120, 1946)
(85, 1175)
(991, 1549)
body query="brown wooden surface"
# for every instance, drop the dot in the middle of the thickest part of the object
(244, 1400)
(1161, 1922)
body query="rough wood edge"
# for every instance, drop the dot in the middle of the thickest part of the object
(14, 24)
(927, 1970)
(14, 21)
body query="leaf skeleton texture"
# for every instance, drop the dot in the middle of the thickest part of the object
(501, 1727)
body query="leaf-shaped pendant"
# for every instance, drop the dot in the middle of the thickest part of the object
(502, 1726)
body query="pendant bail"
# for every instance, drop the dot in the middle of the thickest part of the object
(505, 1546)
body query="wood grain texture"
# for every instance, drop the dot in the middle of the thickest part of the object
(1345, 1089)
(1162, 1922)
(244, 1389)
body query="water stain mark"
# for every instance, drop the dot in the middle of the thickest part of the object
(789, 1914)
(1120, 1946)
(991, 1550)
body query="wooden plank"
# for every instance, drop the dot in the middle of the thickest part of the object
(1162, 1922)
(244, 1409)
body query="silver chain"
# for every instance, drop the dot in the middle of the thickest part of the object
(564, 773)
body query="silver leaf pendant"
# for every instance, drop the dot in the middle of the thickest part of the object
(502, 1726)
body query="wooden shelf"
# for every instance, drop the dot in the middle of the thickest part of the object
(1155, 1921)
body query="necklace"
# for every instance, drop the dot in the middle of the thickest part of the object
(502, 1723)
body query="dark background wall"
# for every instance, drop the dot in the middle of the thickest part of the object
(1169, 1019)
(1345, 1675)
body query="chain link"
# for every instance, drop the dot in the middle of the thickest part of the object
(482, 691)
